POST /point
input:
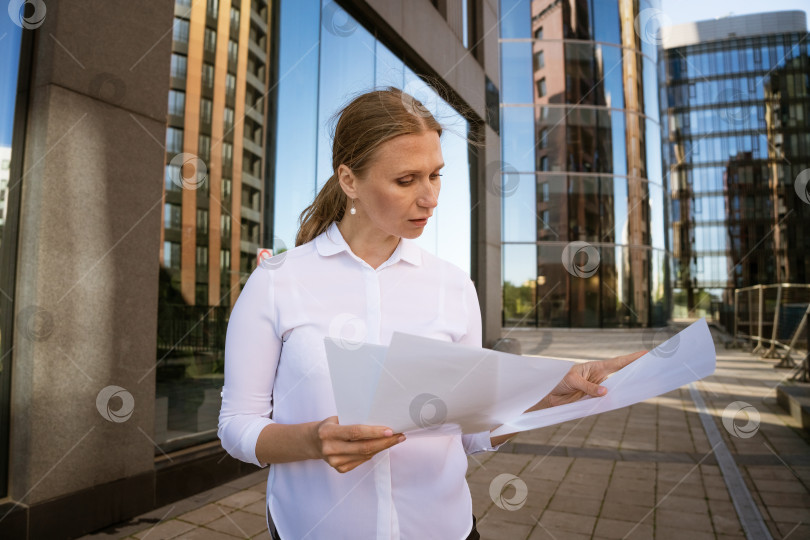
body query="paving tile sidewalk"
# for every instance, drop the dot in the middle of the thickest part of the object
(645, 471)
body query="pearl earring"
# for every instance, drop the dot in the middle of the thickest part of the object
(353, 211)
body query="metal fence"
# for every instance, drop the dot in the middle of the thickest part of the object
(772, 320)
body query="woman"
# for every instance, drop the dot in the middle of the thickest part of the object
(357, 273)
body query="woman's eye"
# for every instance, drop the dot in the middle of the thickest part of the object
(401, 183)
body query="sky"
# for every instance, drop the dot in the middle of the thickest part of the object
(683, 11)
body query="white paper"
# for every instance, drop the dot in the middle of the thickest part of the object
(425, 386)
(684, 358)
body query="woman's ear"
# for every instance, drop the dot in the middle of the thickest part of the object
(347, 180)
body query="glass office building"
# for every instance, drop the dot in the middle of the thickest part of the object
(735, 99)
(584, 236)
(156, 161)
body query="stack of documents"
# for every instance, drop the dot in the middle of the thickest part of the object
(425, 386)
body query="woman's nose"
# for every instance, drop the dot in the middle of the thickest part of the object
(429, 197)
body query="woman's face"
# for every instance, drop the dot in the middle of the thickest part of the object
(401, 184)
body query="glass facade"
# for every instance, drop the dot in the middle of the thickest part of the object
(223, 200)
(584, 234)
(214, 181)
(327, 57)
(737, 137)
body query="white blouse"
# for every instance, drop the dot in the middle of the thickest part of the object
(276, 371)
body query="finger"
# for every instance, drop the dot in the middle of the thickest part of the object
(365, 449)
(586, 386)
(621, 361)
(358, 432)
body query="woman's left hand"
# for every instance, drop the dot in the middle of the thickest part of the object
(585, 378)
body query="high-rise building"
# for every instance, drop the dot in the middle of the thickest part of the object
(215, 140)
(584, 236)
(735, 100)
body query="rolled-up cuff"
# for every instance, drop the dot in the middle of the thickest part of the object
(475, 443)
(245, 447)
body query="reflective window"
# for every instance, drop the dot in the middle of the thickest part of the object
(515, 18)
(520, 280)
(606, 22)
(180, 30)
(520, 210)
(517, 128)
(177, 102)
(516, 72)
(178, 66)
(174, 140)
(541, 87)
(210, 40)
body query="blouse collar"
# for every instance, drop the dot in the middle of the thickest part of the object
(331, 241)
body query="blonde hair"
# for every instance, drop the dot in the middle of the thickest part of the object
(365, 123)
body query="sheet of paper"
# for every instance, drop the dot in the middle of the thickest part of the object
(684, 358)
(425, 386)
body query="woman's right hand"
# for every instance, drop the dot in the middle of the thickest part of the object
(346, 447)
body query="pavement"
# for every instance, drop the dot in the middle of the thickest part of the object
(666, 468)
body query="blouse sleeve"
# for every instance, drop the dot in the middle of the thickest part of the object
(481, 441)
(252, 350)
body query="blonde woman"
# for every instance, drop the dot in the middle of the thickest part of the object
(356, 263)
